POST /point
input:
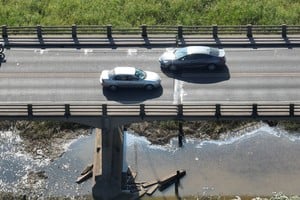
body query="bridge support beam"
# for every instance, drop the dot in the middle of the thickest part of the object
(108, 161)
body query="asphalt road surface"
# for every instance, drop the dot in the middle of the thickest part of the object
(72, 76)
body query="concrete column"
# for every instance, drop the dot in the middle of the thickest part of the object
(108, 183)
(117, 157)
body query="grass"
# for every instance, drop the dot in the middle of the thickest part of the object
(128, 13)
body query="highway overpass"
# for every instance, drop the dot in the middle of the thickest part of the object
(63, 84)
(72, 76)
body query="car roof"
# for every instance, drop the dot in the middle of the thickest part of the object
(124, 70)
(198, 49)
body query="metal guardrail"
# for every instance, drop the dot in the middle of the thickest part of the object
(144, 30)
(217, 111)
(150, 36)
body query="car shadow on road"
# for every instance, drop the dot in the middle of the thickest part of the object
(132, 95)
(200, 76)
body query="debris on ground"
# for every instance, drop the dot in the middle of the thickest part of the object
(139, 189)
(85, 174)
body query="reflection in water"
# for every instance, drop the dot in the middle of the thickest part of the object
(258, 163)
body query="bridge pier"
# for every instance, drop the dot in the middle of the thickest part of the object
(108, 161)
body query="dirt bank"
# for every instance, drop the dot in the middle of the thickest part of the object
(45, 139)
(160, 132)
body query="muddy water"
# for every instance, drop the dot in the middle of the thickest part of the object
(258, 163)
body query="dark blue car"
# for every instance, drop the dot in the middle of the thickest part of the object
(192, 57)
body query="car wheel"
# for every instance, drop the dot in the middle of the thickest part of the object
(113, 88)
(173, 67)
(211, 67)
(149, 87)
(2, 56)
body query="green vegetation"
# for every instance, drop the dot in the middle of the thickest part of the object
(293, 127)
(44, 130)
(160, 132)
(37, 130)
(48, 129)
(127, 13)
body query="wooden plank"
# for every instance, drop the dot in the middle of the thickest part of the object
(87, 169)
(170, 179)
(152, 189)
(84, 177)
(97, 165)
(148, 184)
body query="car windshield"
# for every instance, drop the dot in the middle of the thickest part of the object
(214, 51)
(179, 53)
(140, 73)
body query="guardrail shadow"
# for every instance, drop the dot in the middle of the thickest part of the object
(131, 95)
(2, 55)
(2, 58)
(201, 76)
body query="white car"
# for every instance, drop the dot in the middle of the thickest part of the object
(129, 77)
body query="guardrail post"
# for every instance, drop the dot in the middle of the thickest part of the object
(283, 30)
(215, 31)
(29, 110)
(4, 31)
(142, 111)
(104, 109)
(249, 31)
(218, 111)
(67, 110)
(39, 31)
(109, 31)
(254, 110)
(180, 133)
(74, 31)
(292, 110)
(179, 110)
(179, 32)
(144, 30)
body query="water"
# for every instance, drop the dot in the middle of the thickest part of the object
(260, 162)
(16, 165)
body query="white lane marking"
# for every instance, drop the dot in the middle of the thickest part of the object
(86, 51)
(178, 92)
(40, 51)
(132, 52)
